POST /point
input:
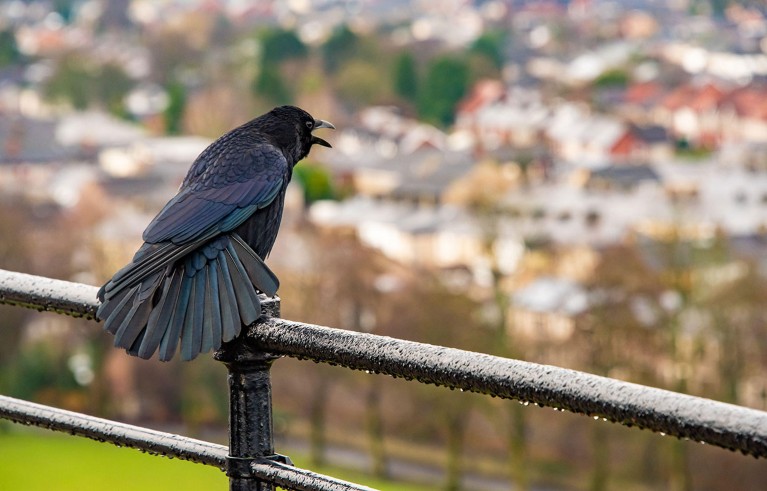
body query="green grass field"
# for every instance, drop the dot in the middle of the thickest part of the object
(37, 460)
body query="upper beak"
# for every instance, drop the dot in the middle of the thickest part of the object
(320, 123)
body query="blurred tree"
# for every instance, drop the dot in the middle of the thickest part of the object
(272, 86)
(491, 45)
(359, 267)
(205, 396)
(405, 77)
(68, 83)
(215, 110)
(278, 45)
(482, 192)
(79, 82)
(114, 15)
(174, 57)
(315, 181)
(427, 311)
(222, 33)
(718, 8)
(358, 83)
(358, 67)
(445, 84)
(335, 288)
(612, 78)
(9, 52)
(66, 9)
(678, 262)
(174, 113)
(374, 426)
(619, 332)
(342, 46)
(109, 85)
(41, 374)
(15, 255)
(739, 320)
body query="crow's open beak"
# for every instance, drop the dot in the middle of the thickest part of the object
(320, 123)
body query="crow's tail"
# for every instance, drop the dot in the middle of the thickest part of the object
(202, 299)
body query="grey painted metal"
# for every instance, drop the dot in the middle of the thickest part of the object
(299, 479)
(703, 420)
(120, 434)
(47, 294)
(251, 428)
(165, 444)
(65, 297)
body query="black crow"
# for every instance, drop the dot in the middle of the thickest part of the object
(196, 277)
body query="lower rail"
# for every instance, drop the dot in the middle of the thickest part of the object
(121, 434)
(165, 444)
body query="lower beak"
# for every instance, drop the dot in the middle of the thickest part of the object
(320, 123)
(319, 141)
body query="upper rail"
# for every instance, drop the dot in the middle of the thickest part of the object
(694, 418)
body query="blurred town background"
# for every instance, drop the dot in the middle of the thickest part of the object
(580, 183)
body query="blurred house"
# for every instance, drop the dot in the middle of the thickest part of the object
(520, 118)
(442, 238)
(432, 237)
(32, 140)
(621, 177)
(743, 115)
(652, 143)
(585, 139)
(548, 309)
(516, 119)
(691, 113)
(639, 101)
(31, 157)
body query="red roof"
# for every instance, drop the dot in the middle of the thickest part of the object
(699, 98)
(483, 92)
(642, 93)
(748, 102)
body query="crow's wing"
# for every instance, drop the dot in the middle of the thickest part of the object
(226, 194)
(221, 198)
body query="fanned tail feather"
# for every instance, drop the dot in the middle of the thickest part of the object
(262, 277)
(197, 303)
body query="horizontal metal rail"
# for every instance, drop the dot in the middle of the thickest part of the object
(121, 434)
(248, 461)
(47, 294)
(684, 416)
(161, 443)
(698, 419)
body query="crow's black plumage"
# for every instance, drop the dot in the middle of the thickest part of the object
(196, 277)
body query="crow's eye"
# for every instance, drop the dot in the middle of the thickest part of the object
(310, 124)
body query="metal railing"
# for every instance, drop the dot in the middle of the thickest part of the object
(251, 462)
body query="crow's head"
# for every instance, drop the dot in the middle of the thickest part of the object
(293, 130)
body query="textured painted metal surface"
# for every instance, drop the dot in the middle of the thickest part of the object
(160, 443)
(65, 297)
(701, 420)
(301, 480)
(120, 434)
(47, 294)
(251, 428)
(724, 425)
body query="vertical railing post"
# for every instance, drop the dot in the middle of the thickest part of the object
(250, 408)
